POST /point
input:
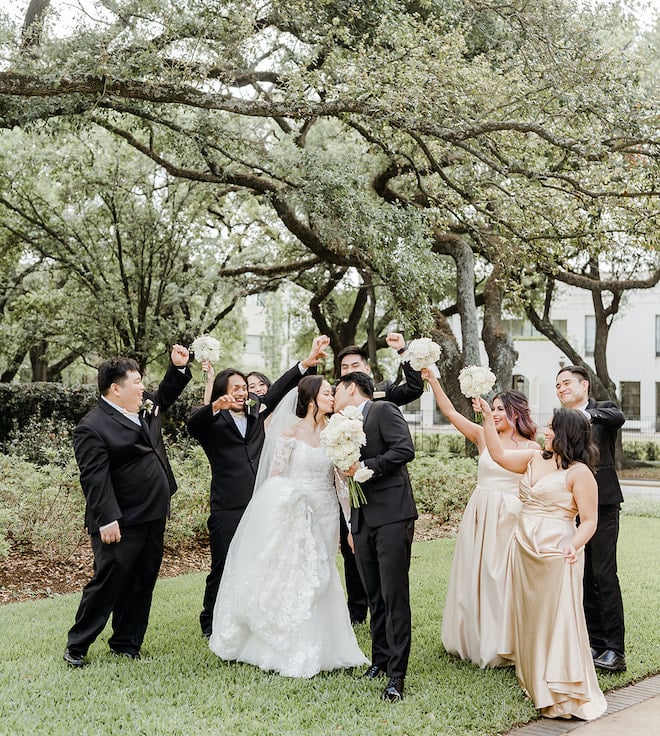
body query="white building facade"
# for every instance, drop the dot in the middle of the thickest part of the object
(633, 356)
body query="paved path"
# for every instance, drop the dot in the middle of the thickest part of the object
(640, 489)
(631, 711)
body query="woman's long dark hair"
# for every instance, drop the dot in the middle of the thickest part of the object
(573, 441)
(221, 381)
(518, 413)
(308, 390)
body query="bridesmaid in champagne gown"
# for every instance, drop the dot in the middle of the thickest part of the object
(472, 623)
(547, 632)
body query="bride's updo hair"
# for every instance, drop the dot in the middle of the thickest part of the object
(308, 390)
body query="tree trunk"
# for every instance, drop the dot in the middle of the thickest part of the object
(13, 366)
(39, 361)
(502, 354)
(463, 256)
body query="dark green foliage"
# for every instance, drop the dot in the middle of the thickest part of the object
(444, 446)
(641, 450)
(42, 505)
(442, 487)
(26, 403)
(34, 413)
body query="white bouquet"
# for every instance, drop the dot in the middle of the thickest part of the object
(476, 380)
(422, 353)
(341, 440)
(206, 347)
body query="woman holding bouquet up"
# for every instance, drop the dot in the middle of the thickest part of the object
(472, 622)
(280, 605)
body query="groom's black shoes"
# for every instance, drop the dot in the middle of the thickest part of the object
(610, 661)
(394, 689)
(73, 659)
(373, 672)
(129, 655)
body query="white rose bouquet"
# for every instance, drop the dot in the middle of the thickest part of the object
(422, 353)
(341, 440)
(476, 380)
(206, 347)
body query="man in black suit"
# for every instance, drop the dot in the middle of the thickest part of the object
(603, 605)
(230, 429)
(382, 529)
(354, 358)
(127, 481)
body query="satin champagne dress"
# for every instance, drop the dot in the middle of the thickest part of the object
(472, 622)
(547, 634)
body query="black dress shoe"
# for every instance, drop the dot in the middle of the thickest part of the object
(611, 661)
(128, 655)
(394, 689)
(73, 659)
(373, 672)
(357, 621)
(594, 653)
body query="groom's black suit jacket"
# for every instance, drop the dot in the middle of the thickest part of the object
(606, 420)
(234, 459)
(388, 448)
(124, 471)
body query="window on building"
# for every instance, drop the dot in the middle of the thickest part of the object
(657, 334)
(520, 383)
(255, 300)
(657, 407)
(631, 399)
(524, 328)
(253, 343)
(589, 334)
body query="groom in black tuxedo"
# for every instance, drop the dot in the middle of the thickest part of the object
(603, 604)
(382, 529)
(127, 481)
(354, 358)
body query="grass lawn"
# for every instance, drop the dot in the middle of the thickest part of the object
(182, 688)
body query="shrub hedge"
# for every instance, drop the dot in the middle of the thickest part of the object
(42, 505)
(641, 450)
(27, 403)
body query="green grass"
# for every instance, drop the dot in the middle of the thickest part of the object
(181, 688)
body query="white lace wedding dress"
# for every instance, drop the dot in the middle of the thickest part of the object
(280, 605)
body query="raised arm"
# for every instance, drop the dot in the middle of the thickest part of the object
(471, 430)
(207, 368)
(608, 414)
(514, 460)
(413, 387)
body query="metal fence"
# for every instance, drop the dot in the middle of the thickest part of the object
(642, 430)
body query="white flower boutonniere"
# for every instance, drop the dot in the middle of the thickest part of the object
(250, 403)
(148, 407)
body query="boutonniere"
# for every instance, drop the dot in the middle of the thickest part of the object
(148, 407)
(250, 403)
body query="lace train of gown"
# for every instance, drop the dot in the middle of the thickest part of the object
(281, 605)
(549, 641)
(473, 617)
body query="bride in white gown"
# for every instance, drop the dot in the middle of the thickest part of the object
(280, 605)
